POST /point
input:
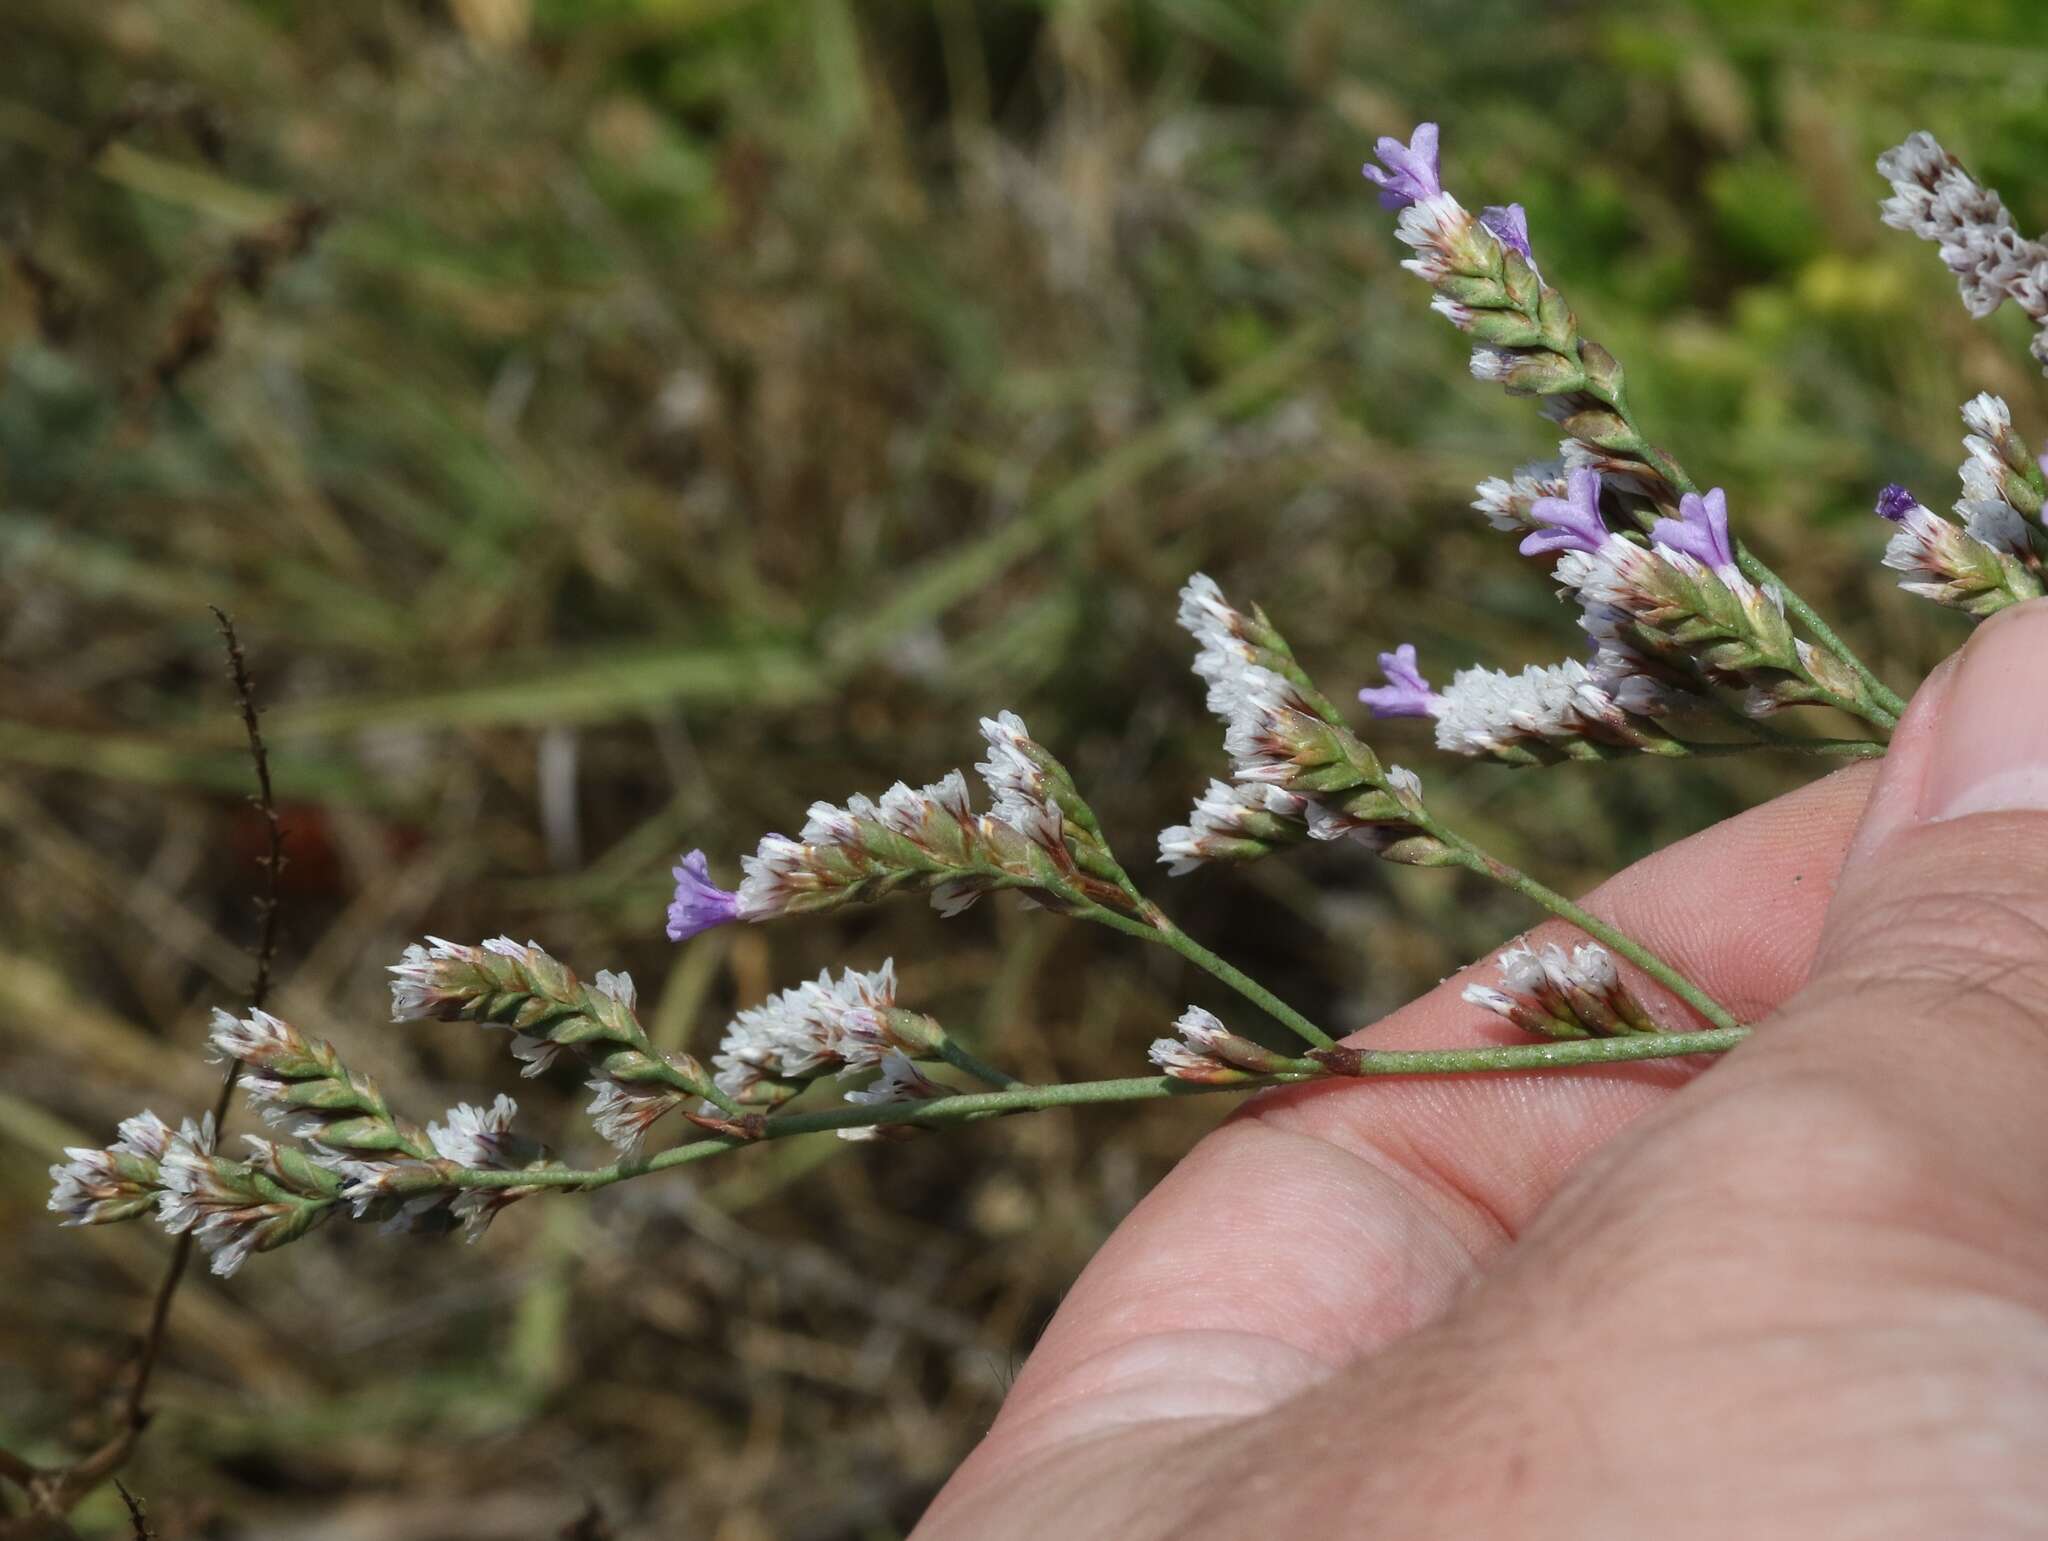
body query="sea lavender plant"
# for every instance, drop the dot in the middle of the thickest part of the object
(1696, 648)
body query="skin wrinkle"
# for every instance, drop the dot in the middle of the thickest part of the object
(1739, 1308)
(1758, 854)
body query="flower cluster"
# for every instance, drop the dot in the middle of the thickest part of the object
(900, 1081)
(123, 1180)
(1934, 198)
(1668, 614)
(1488, 285)
(236, 1208)
(1209, 1054)
(1299, 771)
(1990, 556)
(1976, 567)
(1039, 837)
(820, 1027)
(1509, 503)
(1544, 713)
(1559, 995)
(359, 1157)
(549, 1011)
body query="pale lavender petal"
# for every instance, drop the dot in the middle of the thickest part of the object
(699, 903)
(1700, 531)
(1570, 523)
(1510, 226)
(1411, 169)
(1406, 693)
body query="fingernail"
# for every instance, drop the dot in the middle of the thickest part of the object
(1990, 752)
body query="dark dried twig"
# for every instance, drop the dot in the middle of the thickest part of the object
(272, 862)
(54, 1493)
(250, 264)
(590, 1525)
(182, 109)
(55, 306)
(138, 1517)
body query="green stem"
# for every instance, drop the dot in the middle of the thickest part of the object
(1533, 1056)
(971, 1107)
(1167, 934)
(1471, 857)
(961, 1058)
(1783, 743)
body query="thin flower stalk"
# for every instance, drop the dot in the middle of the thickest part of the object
(243, 1207)
(971, 1107)
(1495, 870)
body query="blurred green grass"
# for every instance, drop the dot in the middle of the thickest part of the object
(696, 407)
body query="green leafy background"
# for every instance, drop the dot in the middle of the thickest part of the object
(692, 408)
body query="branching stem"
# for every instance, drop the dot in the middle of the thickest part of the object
(1468, 855)
(971, 1107)
(1158, 929)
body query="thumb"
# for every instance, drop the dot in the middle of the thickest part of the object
(1940, 914)
(1926, 1012)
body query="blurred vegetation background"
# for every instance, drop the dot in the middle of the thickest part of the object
(614, 425)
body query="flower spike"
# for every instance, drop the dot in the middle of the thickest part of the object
(1934, 198)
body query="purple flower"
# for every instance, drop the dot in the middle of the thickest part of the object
(1510, 226)
(1895, 502)
(1406, 693)
(699, 903)
(1570, 523)
(1700, 530)
(1411, 174)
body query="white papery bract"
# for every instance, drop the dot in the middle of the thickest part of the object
(478, 1137)
(224, 1211)
(1446, 237)
(1546, 990)
(1222, 633)
(99, 1186)
(818, 1026)
(1226, 819)
(1488, 711)
(1193, 1055)
(1999, 470)
(900, 1081)
(623, 1111)
(1210, 1053)
(1972, 567)
(1506, 502)
(1019, 774)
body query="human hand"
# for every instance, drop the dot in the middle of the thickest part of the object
(1804, 1295)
